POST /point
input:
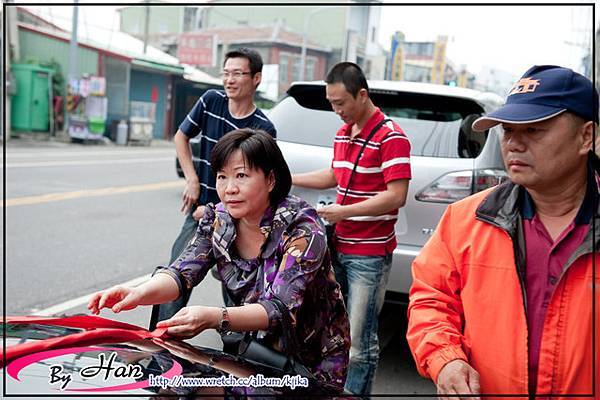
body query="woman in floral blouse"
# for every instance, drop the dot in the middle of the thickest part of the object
(266, 244)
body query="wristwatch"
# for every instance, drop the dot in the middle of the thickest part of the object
(224, 323)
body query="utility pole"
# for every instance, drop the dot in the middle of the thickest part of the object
(307, 18)
(146, 24)
(73, 45)
(13, 32)
(11, 54)
(72, 73)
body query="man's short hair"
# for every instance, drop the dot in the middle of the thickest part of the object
(260, 151)
(350, 75)
(254, 59)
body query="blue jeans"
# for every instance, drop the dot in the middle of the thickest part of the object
(363, 280)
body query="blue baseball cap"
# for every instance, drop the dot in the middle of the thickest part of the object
(543, 92)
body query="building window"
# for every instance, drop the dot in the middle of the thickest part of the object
(283, 68)
(414, 73)
(421, 49)
(296, 69)
(310, 69)
(189, 18)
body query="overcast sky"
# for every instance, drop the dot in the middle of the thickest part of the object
(508, 37)
(512, 38)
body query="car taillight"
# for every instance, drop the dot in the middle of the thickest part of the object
(460, 184)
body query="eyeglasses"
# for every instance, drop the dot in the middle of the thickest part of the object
(234, 74)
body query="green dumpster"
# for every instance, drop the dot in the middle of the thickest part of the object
(30, 108)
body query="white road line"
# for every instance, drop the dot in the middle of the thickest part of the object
(12, 154)
(69, 304)
(86, 162)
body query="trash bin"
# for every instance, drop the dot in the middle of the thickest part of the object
(122, 133)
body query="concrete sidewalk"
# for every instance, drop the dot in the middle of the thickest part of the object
(61, 139)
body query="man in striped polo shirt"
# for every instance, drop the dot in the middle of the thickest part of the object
(215, 113)
(365, 237)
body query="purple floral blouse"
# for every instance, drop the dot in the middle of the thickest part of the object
(294, 266)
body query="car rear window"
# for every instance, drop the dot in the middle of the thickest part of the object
(437, 126)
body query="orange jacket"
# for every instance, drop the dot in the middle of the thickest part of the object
(467, 302)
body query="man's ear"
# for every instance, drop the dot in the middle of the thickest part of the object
(256, 79)
(363, 95)
(587, 136)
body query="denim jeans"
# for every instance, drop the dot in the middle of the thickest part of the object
(363, 280)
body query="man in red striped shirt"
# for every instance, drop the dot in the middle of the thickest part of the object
(365, 237)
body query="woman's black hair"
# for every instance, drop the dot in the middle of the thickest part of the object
(260, 151)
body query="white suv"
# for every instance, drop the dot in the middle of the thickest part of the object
(448, 160)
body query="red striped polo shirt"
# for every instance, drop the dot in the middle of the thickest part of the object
(386, 158)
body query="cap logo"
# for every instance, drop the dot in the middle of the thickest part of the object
(525, 85)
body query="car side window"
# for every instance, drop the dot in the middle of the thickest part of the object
(470, 143)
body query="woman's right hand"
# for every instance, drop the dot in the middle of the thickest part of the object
(117, 298)
(198, 213)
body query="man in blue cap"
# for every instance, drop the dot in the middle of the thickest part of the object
(503, 294)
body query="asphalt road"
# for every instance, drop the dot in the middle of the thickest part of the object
(81, 218)
(61, 248)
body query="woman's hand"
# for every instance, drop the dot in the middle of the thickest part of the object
(198, 213)
(190, 321)
(117, 298)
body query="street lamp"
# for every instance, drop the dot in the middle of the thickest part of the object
(307, 18)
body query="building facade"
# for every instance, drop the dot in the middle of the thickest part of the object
(349, 31)
(280, 50)
(165, 23)
(130, 74)
(425, 61)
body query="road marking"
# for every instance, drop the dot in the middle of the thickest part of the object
(14, 154)
(46, 198)
(69, 304)
(85, 162)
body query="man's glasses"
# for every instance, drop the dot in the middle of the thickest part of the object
(234, 74)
